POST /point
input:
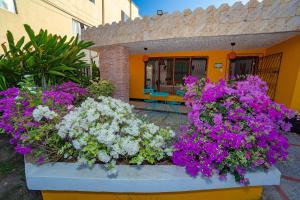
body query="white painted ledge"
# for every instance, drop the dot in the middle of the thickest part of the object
(137, 179)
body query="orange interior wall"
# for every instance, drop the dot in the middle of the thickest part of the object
(137, 68)
(288, 85)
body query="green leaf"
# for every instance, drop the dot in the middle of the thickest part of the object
(30, 32)
(31, 35)
(20, 42)
(53, 72)
(75, 79)
(3, 83)
(64, 68)
(10, 39)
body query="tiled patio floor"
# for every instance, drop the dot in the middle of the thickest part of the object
(159, 107)
(165, 119)
(290, 180)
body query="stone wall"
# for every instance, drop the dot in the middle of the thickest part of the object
(114, 66)
(266, 17)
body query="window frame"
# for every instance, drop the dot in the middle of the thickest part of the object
(173, 58)
(124, 16)
(15, 7)
(82, 26)
(255, 62)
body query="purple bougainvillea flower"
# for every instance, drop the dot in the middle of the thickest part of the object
(60, 98)
(232, 128)
(10, 92)
(16, 107)
(23, 149)
(190, 80)
(71, 88)
(40, 160)
(218, 119)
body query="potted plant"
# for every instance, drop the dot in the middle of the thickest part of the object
(74, 143)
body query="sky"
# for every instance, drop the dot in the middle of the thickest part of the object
(149, 7)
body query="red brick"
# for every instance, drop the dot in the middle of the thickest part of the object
(114, 66)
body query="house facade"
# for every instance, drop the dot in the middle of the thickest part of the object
(156, 52)
(62, 17)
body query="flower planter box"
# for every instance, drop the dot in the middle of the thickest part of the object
(71, 181)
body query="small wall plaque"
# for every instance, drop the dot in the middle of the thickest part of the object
(219, 65)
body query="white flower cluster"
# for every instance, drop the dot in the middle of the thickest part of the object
(41, 112)
(106, 130)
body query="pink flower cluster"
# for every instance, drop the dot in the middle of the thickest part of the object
(232, 128)
(16, 109)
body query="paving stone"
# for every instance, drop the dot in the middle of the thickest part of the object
(270, 193)
(291, 189)
(292, 166)
(165, 119)
(293, 138)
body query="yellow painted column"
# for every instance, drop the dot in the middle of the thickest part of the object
(243, 193)
(295, 103)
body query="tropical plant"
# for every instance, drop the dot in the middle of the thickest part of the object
(49, 58)
(100, 87)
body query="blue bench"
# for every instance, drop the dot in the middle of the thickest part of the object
(149, 91)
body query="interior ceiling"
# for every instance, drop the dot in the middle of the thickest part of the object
(250, 41)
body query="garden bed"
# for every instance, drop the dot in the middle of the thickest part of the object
(134, 179)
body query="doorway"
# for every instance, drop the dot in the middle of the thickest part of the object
(243, 66)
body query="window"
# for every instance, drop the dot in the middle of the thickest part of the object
(166, 74)
(159, 74)
(8, 5)
(181, 70)
(124, 17)
(242, 66)
(77, 27)
(198, 67)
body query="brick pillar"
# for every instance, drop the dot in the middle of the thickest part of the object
(114, 66)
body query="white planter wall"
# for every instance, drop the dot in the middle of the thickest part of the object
(139, 179)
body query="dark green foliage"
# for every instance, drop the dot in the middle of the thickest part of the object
(49, 58)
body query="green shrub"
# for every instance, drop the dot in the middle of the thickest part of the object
(100, 87)
(49, 58)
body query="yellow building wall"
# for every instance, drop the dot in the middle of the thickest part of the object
(113, 10)
(137, 68)
(295, 103)
(84, 10)
(134, 11)
(56, 15)
(288, 86)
